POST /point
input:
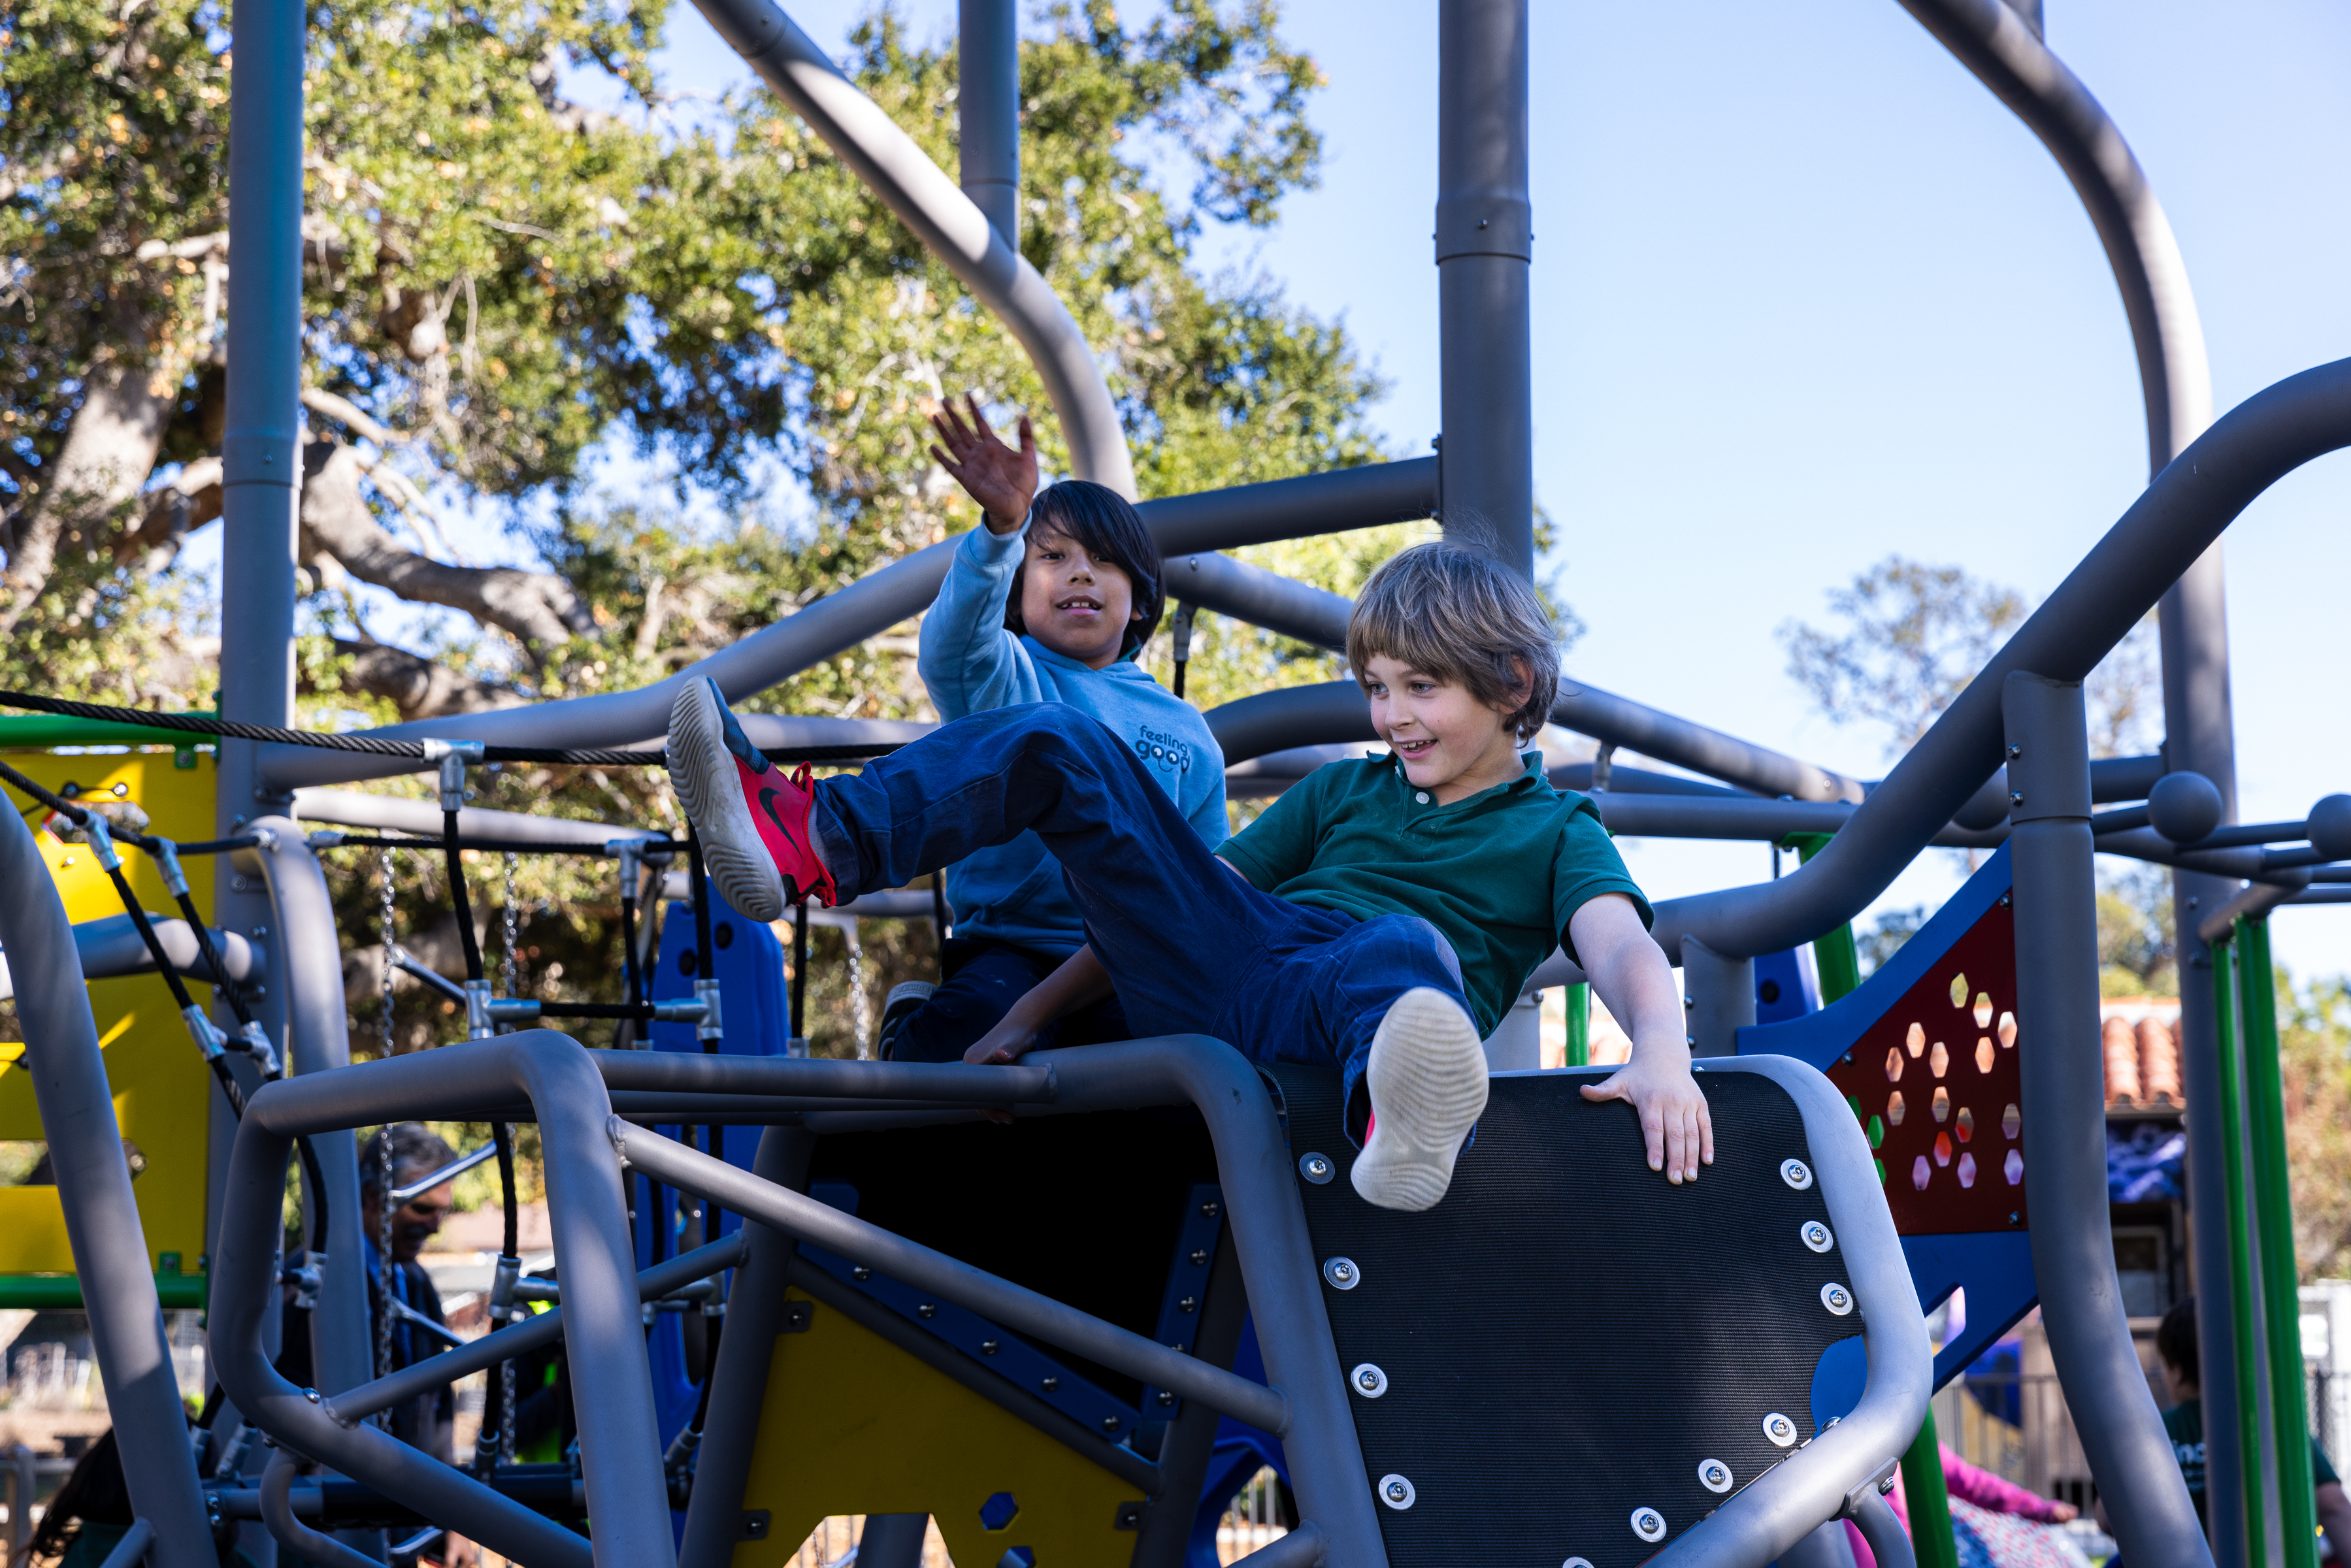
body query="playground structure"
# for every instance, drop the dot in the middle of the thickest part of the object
(1419, 1381)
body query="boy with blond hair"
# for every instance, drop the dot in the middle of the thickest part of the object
(1380, 917)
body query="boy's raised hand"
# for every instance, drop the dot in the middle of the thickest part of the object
(1001, 480)
(1675, 1125)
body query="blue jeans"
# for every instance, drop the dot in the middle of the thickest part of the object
(981, 981)
(1192, 947)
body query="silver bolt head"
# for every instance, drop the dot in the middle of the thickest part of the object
(1817, 1235)
(1796, 1174)
(1396, 1492)
(1778, 1429)
(1368, 1381)
(1714, 1475)
(1648, 1524)
(1836, 1298)
(1342, 1273)
(1317, 1168)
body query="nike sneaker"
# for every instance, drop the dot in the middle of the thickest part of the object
(752, 817)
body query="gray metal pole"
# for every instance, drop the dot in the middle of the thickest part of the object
(738, 1394)
(2064, 1127)
(1719, 992)
(110, 1247)
(260, 456)
(1485, 245)
(893, 1541)
(987, 116)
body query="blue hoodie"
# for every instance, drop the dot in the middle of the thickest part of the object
(1014, 893)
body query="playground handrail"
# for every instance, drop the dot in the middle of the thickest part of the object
(2179, 515)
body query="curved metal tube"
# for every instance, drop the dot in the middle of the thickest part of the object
(1260, 597)
(946, 220)
(1214, 519)
(1889, 1541)
(2179, 515)
(131, 1550)
(2008, 57)
(112, 947)
(603, 1340)
(101, 1216)
(318, 1028)
(277, 1514)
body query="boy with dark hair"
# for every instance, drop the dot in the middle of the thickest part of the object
(1049, 599)
(1378, 918)
(2175, 1348)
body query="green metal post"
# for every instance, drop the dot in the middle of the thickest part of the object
(1838, 962)
(1577, 998)
(2241, 1251)
(1930, 1505)
(1834, 955)
(2281, 1282)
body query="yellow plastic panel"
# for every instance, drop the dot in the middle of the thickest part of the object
(161, 1088)
(851, 1424)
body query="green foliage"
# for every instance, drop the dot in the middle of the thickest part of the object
(2138, 944)
(2315, 1050)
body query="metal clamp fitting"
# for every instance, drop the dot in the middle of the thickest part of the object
(710, 1026)
(265, 1056)
(101, 834)
(166, 856)
(1881, 1479)
(510, 1010)
(208, 1036)
(502, 1291)
(479, 1025)
(453, 755)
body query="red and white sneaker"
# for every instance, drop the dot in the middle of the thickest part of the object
(753, 818)
(1427, 1076)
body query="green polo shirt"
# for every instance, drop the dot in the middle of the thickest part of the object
(1500, 873)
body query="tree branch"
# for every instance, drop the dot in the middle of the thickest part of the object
(537, 607)
(420, 688)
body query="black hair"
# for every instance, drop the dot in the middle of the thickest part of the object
(1104, 523)
(2175, 1341)
(416, 1150)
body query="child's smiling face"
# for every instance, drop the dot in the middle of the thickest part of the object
(1450, 744)
(1075, 602)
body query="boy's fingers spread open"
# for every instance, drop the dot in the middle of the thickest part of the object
(1027, 437)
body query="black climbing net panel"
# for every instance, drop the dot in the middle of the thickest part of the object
(1569, 1358)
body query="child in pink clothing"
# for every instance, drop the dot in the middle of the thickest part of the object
(1971, 1489)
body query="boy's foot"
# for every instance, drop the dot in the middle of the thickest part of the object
(752, 818)
(907, 999)
(1427, 1076)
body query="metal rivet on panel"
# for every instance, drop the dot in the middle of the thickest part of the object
(1778, 1429)
(928, 1309)
(1714, 1475)
(1109, 1423)
(1342, 1273)
(1796, 1174)
(1199, 1257)
(1368, 1381)
(1396, 1492)
(1049, 1384)
(1816, 1236)
(988, 1347)
(1316, 1168)
(1648, 1524)
(1836, 1298)
(1577, 1562)
(861, 1274)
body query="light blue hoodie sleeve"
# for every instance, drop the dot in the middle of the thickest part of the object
(1208, 816)
(968, 660)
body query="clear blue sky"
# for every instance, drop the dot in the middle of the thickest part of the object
(1807, 296)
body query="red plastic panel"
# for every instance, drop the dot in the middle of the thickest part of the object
(1935, 1083)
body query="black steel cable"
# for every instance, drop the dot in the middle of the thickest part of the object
(218, 1063)
(412, 751)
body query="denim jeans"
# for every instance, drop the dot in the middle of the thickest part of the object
(1192, 947)
(981, 981)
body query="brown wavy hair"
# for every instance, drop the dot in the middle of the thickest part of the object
(1460, 615)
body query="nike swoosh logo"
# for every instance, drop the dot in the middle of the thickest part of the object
(767, 804)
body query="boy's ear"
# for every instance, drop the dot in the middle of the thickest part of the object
(1521, 682)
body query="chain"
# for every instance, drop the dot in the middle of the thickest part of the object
(383, 1157)
(861, 1006)
(507, 1410)
(513, 970)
